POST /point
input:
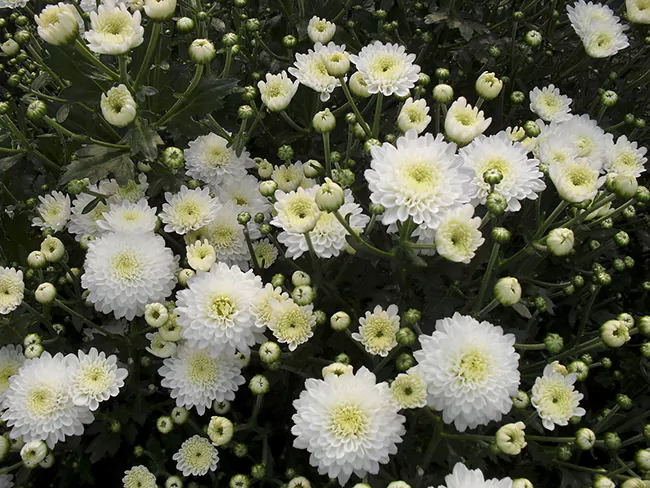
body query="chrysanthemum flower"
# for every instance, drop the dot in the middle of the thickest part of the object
(638, 11)
(159, 9)
(290, 323)
(85, 224)
(555, 398)
(348, 423)
(197, 377)
(471, 370)
(320, 30)
(461, 477)
(625, 157)
(378, 330)
(265, 253)
(554, 145)
(11, 359)
(463, 122)
(288, 177)
(413, 115)
(53, 211)
(550, 104)
(309, 69)
(118, 106)
(458, 236)
(409, 389)
(196, 457)
(59, 24)
(201, 255)
(277, 91)
(582, 14)
(577, 180)
(129, 218)
(13, 4)
(12, 289)
(244, 193)
(208, 158)
(139, 477)
(188, 210)
(124, 274)
(387, 68)
(605, 39)
(297, 211)
(158, 346)
(133, 191)
(113, 29)
(262, 305)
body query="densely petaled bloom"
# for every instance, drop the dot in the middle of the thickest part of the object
(158, 346)
(550, 104)
(86, 224)
(601, 32)
(576, 180)
(638, 11)
(113, 29)
(13, 4)
(458, 236)
(124, 274)
(277, 91)
(522, 178)
(215, 309)
(554, 144)
(188, 210)
(555, 398)
(118, 106)
(591, 140)
(625, 157)
(582, 14)
(129, 218)
(12, 289)
(196, 457)
(94, 377)
(409, 389)
(201, 255)
(413, 115)
(471, 370)
(387, 68)
(463, 122)
(244, 193)
(53, 211)
(461, 477)
(38, 404)
(378, 330)
(160, 9)
(290, 177)
(139, 477)
(265, 252)
(59, 24)
(11, 359)
(197, 377)
(262, 305)
(291, 323)
(208, 158)
(418, 178)
(348, 423)
(297, 211)
(309, 69)
(320, 30)
(133, 191)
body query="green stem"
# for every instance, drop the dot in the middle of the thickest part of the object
(433, 443)
(290, 121)
(49, 71)
(179, 103)
(326, 147)
(222, 132)
(355, 109)
(614, 214)
(315, 263)
(582, 216)
(531, 347)
(377, 119)
(87, 321)
(489, 307)
(226, 68)
(486, 277)
(55, 125)
(551, 218)
(89, 56)
(9, 469)
(239, 139)
(360, 241)
(251, 249)
(151, 47)
(124, 71)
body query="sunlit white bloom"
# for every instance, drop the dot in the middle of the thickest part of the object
(188, 210)
(139, 477)
(409, 389)
(600, 30)
(244, 194)
(53, 212)
(196, 457)
(555, 398)
(94, 377)
(386, 68)
(277, 91)
(458, 235)
(625, 157)
(201, 255)
(12, 289)
(297, 211)
(159, 9)
(133, 191)
(158, 346)
(289, 177)
(209, 158)
(582, 14)
(320, 30)
(461, 477)
(11, 359)
(378, 330)
(85, 224)
(38, 404)
(550, 104)
(309, 69)
(290, 323)
(556, 145)
(348, 423)
(59, 24)
(638, 11)
(471, 370)
(414, 115)
(118, 106)
(197, 377)
(265, 252)
(590, 139)
(576, 180)
(123, 274)
(262, 305)
(113, 29)
(88, 5)
(463, 122)
(129, 218)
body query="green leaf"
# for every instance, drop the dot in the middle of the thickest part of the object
(7, 163)
(97, 162)
(208, 96)
(89, 208)
(62, 113)
(435, 17)
(144, 92)
(144, 141)
(522, 310)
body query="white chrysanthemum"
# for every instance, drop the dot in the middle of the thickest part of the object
(265, 253)
(591, 141)
(215, 309)
(329, 236)
(59, 24)
(582, 14)
(158, 346)
(625, 157)
(244, 193)
(113, 29)
(38, 404)
(197, 377)
(605, 39)
(288, 177)
(118, 106)
(309, 69)
(53, 211)
(348, 423)
(320, 30)
(409, 389)
(378, 330)
(188, 210)
(555, 398)
(12, 289)
(133, 191)
(123, 274)
(209, 158)
(85, 224)
(387, 68)
(277, 91)
(550, 104)
(159, 9)
(11, 359)
(461, 477)
(555, 145)
(414, 115)
(226, 235)
(463, 122)
(638, 11)
(471, 370)
(418, 178)
(13, 4)
(297, 211)
(290, 323)
(129, 218)
(196, 457)
(262, 305)
(522, 178)
(139, 477)
(458, 235)
(94, 377)
(201, 255)
(576, 180)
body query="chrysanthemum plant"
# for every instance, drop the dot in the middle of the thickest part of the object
(299, 244)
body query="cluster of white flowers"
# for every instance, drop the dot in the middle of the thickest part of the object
(601, 31)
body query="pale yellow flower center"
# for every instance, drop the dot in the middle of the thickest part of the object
(202, 370)
(472, 367)
(220, 307)
(348, 421)
(125, 266)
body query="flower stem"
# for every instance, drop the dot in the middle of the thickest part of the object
(315, 263)
(9, 469)
(433, 443)
(290, 121)
(90, 57)
(87, 321)
(251, 249)
(226, 68)
(354, 107)
(144, 67)
(56, 126)
(531, 347)
(179, 103)
(326, 147)
(551, 218)
(377, 119)
(358, 239)
(486, 277)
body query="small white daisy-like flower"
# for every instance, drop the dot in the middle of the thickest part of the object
(12, 289)
(118, 106)
(576, 180)
(265, 253)
(309, 69)
(555, 145)
(555, 398)
(59, 24)
(463, 122)
(113, 29)
(133, 191)
(159, 9)
(638, 11)
(387, 68)
(11, 359)
(461, 477)
(378, 331)
(550, 104)
(409, 389)
(414, 115)
(522, 178)
(13, 4)
(297, 211)
(277, 91)
(85, 224)
(139, 477)
(129, 218)
(625, 157)
(158, 346)
(418, 178)
(188, 210)
(348, 423)
(123, 274)
(244, 193)
(288, 177)
(582, 14)
(94, 378)
(320, 30)
(458, 235)
(471, 370)
(209, 158)
(196, 457)
(53, 211)
(591, 140)
(201, 255)
(602, 39)
(215, 309)
(38, 404)
(262, 308)
(197, 377)
(290, 323)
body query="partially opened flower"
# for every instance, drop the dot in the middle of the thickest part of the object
(118, 106)
(414, 115)
(160, 9)
(129, 218)
(201, 255)
(378, 330)
(139, 477)
(626, 157)
(277, 91)
(291, 323)
(297, 211)
(310, 70)
(463, 122)
(458, 236)
(59, 24)
(550, 104)
(53, 211)
(12, 289)
(461, 477)
(320, 30)
(113, 29)
(638, 11)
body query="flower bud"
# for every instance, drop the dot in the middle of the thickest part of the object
(614, 333)
(521, 400)
(601, 481)
(642, 194)
(609, 98)
(184, 276)
(312, 168)
(580, 369)
(259, 384)
(501, 235)
(612, 441)
(164, 424)
(540, 304)
(258, 471)
(329, 196)
(201, 51)
(522, 483)
(560, 241)
(340, 321)
(644, 325)
(533, 38)
(621, 239)
(634, 483)
(173, 157)
(36, 260)
(45, 293)
(34, 351)
(31, 339)
(358, 86)
(398, 484)
(174, 482)
(180, 415)
(405, 337)
(531, 128)
(488, 86)
(511, 438)
(404, 362)
(33, 453)
(507, 291)
(443, 93)
(184, 25)
(337, 63)
(493, 176)
(221, 408)
(156, 314)
(239, 481)
(53, 249)
(10, 47)
(563, 452)
(324, 121)
(625, 186)
(585, 439)
(496, 203)
(220, 430)
(36, 110)
(299, 482)
(269, 352)
(303, 295)
(159, 10)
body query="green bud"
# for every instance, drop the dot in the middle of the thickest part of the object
(377, 208)
(243, 218)
(501, 235)
(531, 128)
(303, 295)
(540, 304)
(240, 450)
(578, 281)
(442, 73)
(245, 112)
(405, 336)
(496, 203)
(554, 343)
(623, 401)
(642, 195)
(618, 264)
(258, 471)
(533, 38)
(612, 441)
(36, 110)
(609, 98)
(252, 25)
(580, 369)
(412, 316)
(340, 321)
(184, 25)
(622, 239)
(342, 358)
(289, 41)
(493, 176)
(494, 51)
(266, 229)
(285, 152)
(278, 280)
(564, 452)
(404, 362)
(517, 97)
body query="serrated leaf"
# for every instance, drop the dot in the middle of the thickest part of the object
(207, 97)
(10, 161)
(144, 140)
(97, 162)
(522, 310)
(218, 24)
(144, 92)
(62, 113)
(435, 17)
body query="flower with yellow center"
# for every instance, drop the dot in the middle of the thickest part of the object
(555, 398)
(265, 253)
(297, 211)
(626, 157)
(320, 30)
(113, 29)
(53, 212)
(277, 91)
(458, 236)
(378, 331)
(118, 106)
(262, 306)
(337, 368)
(310, 70)
(288, 177)
(605, 39)
(409, 389)
(550, 104)
(188, 210)
(511, 438)
(638, 11)
(139, 477)
(134, 190)
(201, 255)
(291, 323)
(59, 24)
(210, 158)
(220, 430)
(196, 457)
(129, 218)
(12, 290)
(413, 115)
(576, 180)
(11, 359)
(463, 122)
